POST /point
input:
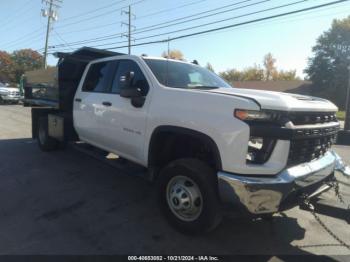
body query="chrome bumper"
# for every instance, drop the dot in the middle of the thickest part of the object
(261, 194)
(11, 98)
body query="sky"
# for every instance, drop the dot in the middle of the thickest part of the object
(289, 39)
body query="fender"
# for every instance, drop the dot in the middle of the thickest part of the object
(184, 131)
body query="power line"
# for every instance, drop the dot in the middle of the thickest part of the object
(15, 15)
(98, 16)
(60, 38)
(223, 20)
(112, 36)
(170, 9)
(293, 19)
(209, 11)
(237, 24)
(93, 11)
(99, 39)
(25, 37)
(156, 27)
(138, 18)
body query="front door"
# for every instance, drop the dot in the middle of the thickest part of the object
(125, 123)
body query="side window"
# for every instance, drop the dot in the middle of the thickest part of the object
(139, 80)
(98, 78)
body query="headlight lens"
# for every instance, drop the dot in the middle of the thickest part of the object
(259, 149)
(249, 115)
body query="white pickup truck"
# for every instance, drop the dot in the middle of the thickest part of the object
(9, 94)
(207, 144)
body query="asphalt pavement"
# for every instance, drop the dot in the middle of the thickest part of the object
(69, 202)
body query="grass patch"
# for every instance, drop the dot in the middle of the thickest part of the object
(341, 115)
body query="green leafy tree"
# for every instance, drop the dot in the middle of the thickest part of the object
(287, 75)
(25, 60)
(327, 68)
(254, 73)
(6, 67)
(231, 75)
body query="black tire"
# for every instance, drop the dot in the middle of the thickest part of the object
(209, 216)
(45, 142)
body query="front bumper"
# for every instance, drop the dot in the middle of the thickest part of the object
(266, 194)
(11, 98)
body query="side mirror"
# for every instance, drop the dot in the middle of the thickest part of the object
(130, 92)
(127, 80)
(127, 90)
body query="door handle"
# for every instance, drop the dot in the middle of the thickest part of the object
(106, 103)
(78, 100)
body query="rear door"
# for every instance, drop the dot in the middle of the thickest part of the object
(91, 103)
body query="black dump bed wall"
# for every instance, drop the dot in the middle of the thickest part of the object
(70, 69)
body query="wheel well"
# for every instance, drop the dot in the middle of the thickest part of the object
(171, 143)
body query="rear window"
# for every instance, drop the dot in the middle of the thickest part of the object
(99, 77)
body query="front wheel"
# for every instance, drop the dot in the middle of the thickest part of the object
(188, 196)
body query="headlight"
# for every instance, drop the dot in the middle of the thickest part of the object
(250, 115)
(259, 149)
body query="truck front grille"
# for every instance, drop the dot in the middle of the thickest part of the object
(308, 118)
(314, 135)
(305, 150)
(14, 93)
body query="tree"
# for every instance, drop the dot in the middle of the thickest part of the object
(270, 68)
(6, 67)
(327, 69)
(209, 67)
(254, 73)
(173, 54)
(25, 60)
(231, 75)
(287, 75)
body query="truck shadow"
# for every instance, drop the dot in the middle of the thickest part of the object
(67, 202)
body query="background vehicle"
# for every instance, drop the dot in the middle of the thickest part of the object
(9, 94)
(204, 142)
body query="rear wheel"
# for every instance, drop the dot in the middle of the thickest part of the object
(45, 142)
(188, 196)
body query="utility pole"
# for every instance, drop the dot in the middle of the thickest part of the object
(130, 27)
(129, 33)
(51, 14)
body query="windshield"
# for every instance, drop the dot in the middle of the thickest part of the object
(183, 75)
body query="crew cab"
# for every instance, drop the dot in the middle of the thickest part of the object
(207, 144)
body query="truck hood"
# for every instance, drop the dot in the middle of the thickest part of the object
(280, 101)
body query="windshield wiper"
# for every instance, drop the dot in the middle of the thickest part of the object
(203, 87)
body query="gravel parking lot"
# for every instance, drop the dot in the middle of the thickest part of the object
(68, 202)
